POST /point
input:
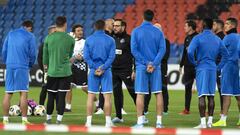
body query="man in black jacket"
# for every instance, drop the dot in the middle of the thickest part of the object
(189, 70)
(43, 92)
(122, 68)
(218, 26)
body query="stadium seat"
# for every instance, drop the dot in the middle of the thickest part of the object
(88, 2)
(119, 8)
(109, 8)
(98, 2)
(89, 8)
(99, 8)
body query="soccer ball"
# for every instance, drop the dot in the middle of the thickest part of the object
(14, 110)
(29, 111)
(39, 110)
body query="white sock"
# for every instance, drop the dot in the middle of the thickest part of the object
(210, 118)
(108, 119)
(96, 103)
(89, 119)
(140, 120)
(24, 118)
(68, 106)
(59, 117)
(223, 117)
(159, 119)
(203, 121)
(5, 118)
(49, 117)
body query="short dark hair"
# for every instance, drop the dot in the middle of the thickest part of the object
(192, 24)
(27, 23)
(207, 23)
(99, 25)
(233, 21)
(220, 22)
(74, 27)
(148, 15)
(119, 20)
(124, 23)
(60, 21)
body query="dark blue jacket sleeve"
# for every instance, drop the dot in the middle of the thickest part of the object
(4, 50)
(87, 57)
(134, 50)
(161, 50)
(191, 49)
(111, 56)
(33, 51)
(224, 55)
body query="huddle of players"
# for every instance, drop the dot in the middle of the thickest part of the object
(201, 56)
(99, 52)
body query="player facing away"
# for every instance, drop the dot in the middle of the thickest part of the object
(57, 51)
(148, 48)
(19, 54)
(230, 72)
(206, 46)
(99, 53)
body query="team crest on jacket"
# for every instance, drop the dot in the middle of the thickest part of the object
(122, 41)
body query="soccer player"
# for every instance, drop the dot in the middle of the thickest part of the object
(109, 31)
(57, 51)
(230, 72)
(99, 53)
(43, 92)
(148, 48)
(202, 53)
(79, 67)
(189, 69)
(164, 68)
(218, 26)
(19, 54)
(122, 68)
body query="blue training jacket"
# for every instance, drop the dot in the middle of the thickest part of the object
(147, 45)
(19, 49)
(207, 47)
(231, 43)
(99, 50)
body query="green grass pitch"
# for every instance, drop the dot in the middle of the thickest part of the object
(172, 120)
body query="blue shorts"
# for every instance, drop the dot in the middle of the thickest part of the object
(17, 80)
(104, 81)
(229, 83)
(144, 79)
(206, 82)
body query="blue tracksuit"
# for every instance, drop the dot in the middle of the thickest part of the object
(19, 49)
(99, 50)
(230, 72)
(19, 54)
(147, 46)
(207, 47)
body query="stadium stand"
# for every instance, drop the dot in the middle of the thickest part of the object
(170, 13)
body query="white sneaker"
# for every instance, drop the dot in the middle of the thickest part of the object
(209, 125)
(201, 126)
(117, 120)
(123, 112)
(99, 111)
(88, 124)
(109, 125)
(145, 120)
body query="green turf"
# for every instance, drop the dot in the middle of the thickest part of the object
(172, 120)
